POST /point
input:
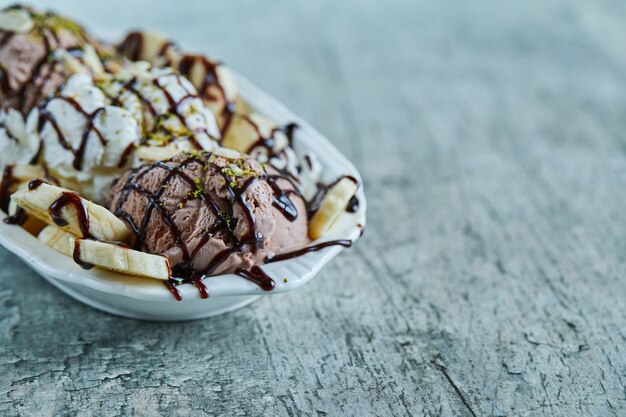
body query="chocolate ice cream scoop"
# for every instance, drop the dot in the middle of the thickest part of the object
(29, 70)
(210, 213)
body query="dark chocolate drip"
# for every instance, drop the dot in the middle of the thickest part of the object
(5, 84)
(5, 188)
(131, 46)
(224, 225)
(281, 199)
(257, 276)
(76, 256)
(202, 289)
(19, 218)
(314, 248)
(353, 204)
(34, 184)
(171, 286)
(70, 199)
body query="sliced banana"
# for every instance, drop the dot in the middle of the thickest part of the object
(242, 106)
(57, 239)
(100, 223)
(23, 172)
(120, 259)
(32, 224)
(245, 131)
(156, 153)
(16, 20)
(92, 60)
(331, 207)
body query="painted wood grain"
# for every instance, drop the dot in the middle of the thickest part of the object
(491, 277)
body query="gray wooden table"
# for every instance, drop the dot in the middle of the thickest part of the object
(491, 278)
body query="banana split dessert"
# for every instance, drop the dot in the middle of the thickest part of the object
(140, 158)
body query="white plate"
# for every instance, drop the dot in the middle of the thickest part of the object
(149, 299)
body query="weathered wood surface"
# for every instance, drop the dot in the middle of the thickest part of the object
(491, 278)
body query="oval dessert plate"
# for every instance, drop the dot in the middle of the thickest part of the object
(148, 299)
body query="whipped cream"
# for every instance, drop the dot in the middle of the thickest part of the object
(85, 139)
(166, 105)
(17, 147)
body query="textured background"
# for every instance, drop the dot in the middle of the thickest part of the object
(491, 278)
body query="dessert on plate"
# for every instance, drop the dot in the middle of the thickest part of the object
(139, 158)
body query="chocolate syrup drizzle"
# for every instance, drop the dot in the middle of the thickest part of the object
(346, 243)
(5, 188)
(257, 276)
(76, 256)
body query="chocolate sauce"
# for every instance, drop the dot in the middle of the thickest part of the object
(34, 184)
(281, 199)
(257, 276)
(353, 205)
(70, 199)
(132, 45)
(76, 256)
(346, 243)
(5, 188)
(170, 285)
(202, 289)
(19, 218)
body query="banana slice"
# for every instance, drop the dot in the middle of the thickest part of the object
(245, 131)
(72, 213)
(242, 106)
(32, 224)
(332, 205)
(57, 239)
(16, 20)
(23, 172)
(120, 259)
(156, 153)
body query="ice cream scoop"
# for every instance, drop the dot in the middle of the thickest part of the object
(29, 68)
(210, 213)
